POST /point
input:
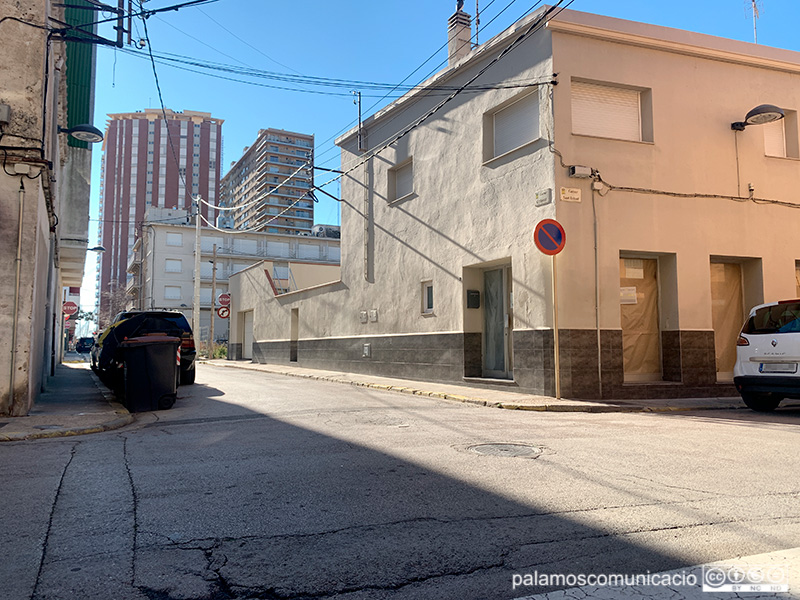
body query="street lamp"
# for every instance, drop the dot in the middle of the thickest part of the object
(83, 133)
(760, 115)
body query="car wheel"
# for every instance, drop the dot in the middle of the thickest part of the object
(761, 402)
(187, 377)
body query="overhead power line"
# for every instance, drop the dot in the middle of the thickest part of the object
(212, 69)
(548, 14)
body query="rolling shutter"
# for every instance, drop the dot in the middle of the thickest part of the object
(775, 139)
(606, 111)
(404, 180)
(516, 125)
(278, 249)
(307, 251)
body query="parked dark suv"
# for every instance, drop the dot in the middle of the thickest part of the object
(84, 344)
(135, 323)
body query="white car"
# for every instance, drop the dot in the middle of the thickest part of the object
(768, 354)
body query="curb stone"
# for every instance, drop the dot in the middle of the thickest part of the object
(584, 408)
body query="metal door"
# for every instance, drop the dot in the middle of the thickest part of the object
(247, 338)
(496, 324)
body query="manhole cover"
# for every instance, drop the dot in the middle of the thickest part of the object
(512, 450)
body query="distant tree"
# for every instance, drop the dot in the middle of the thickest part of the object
(112, 303)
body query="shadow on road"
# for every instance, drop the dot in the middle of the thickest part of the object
(226, 502)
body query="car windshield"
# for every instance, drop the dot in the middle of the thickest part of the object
(779, 318)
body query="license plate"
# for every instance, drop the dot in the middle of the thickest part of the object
(777, 368)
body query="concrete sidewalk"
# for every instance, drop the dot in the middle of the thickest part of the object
(75, 403)
(510, 400)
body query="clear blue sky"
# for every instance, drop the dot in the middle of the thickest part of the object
(366, 40)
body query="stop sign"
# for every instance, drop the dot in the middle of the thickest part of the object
(70, 308)
(224, 299)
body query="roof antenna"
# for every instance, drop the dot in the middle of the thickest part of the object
(756, 15)
(477, 23)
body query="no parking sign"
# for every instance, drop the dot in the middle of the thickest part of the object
(549, 237)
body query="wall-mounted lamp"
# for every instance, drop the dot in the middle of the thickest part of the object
(84, 133)
(97, 249)
(765, 113)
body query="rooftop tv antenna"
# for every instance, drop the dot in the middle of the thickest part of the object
(477, 22)
(754, 7)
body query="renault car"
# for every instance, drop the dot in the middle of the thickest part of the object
(768, 354)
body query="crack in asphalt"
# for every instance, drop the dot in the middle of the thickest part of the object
(135, 502)
(367, 526)
(227, 589)
(46, 540)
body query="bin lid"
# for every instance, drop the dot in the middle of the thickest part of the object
(150, 339)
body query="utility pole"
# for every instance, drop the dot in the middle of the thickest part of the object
(213, 303)
(196, 299)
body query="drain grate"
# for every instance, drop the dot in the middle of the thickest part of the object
(506, 449)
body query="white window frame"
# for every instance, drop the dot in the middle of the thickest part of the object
(167, 296)
(427, 298)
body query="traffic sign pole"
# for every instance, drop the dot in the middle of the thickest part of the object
(550, 238)
(557, 363)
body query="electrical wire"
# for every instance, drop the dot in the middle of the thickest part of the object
(212, 69)
(372, 107)
(534, 27)
(144, 13)
(326, 81)
(548, 14)
(246, 43)
(654, 192)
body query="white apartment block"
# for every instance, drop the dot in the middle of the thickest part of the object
(162, 268)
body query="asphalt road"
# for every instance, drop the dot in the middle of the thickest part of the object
(264, 486)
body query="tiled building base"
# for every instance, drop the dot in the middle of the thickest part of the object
(688, 361)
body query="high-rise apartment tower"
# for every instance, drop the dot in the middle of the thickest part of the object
(151, 161)
(272, 184)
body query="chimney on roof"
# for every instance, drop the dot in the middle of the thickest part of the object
(459, 34)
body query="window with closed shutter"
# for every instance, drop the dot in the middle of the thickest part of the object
(516, 124)
(307, 251)
(404, 180)
(241, 246)
(174, 239)
(278, 249)
(606, 111)
(775, 138)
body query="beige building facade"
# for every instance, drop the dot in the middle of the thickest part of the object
(46, 90)
(676, 222)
